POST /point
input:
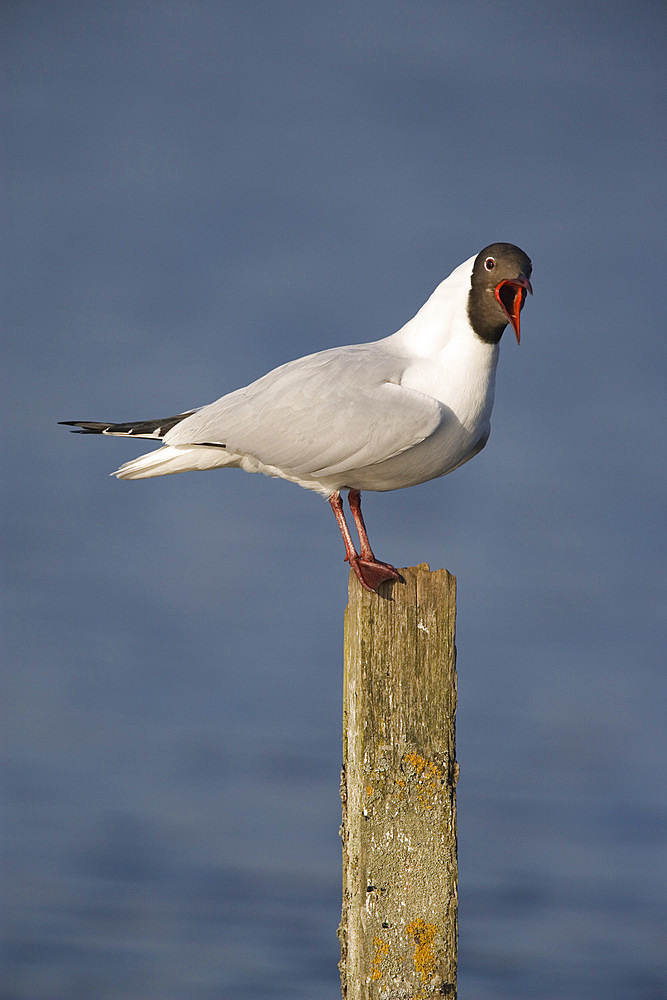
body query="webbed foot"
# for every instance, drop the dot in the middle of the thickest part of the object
(373, 573)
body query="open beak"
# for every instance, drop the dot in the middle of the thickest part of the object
(511, 294)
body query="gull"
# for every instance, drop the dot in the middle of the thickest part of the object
(376, 416)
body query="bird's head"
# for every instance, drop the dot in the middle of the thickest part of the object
(498, 286)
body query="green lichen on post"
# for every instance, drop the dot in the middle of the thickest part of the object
(398, 929)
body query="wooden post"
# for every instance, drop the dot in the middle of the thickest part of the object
(398, 930)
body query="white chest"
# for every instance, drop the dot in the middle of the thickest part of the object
(461, 376)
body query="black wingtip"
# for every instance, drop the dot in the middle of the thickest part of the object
(153, 430)
(84, 426)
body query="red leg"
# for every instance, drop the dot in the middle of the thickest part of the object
(337, 508)
(354, 500)
(378, 569)
(370, 572)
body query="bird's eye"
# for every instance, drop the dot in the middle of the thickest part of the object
(489, 263)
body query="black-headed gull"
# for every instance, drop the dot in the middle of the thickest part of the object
(378, 416)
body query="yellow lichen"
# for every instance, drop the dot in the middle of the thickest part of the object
(429, 779)
(423, 936)
(381, 949)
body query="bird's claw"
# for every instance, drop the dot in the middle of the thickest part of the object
(373, 573)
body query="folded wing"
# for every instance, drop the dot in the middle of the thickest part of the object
(318, 416)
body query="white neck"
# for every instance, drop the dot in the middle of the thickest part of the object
(443, 317)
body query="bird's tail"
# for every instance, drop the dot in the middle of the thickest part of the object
(169, 459)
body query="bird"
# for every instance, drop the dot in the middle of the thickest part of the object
(377, 416)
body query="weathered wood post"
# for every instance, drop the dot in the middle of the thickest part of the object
(398, 930)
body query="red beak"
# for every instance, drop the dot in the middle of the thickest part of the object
(511, 294)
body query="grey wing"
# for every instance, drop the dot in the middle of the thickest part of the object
(320, 415)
